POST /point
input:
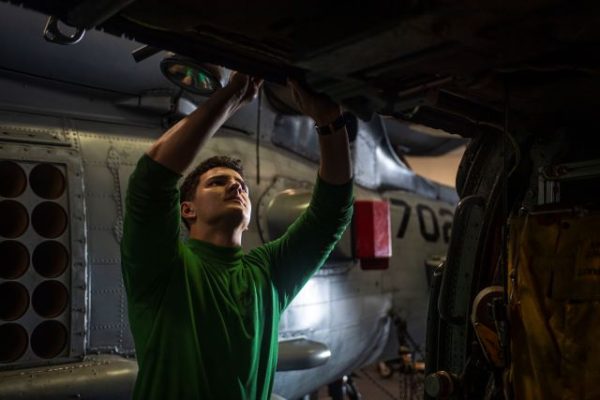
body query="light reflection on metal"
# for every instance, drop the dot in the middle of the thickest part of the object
(302, 206)
(301, 353)
(119, 372)
(102, 377)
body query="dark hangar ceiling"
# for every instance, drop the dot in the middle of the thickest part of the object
(450, 65)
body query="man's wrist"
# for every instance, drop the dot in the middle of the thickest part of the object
(325, 120)
(230, 96)
(233, 93)
(334, 126)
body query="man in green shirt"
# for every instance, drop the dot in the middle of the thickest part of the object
(203, 314)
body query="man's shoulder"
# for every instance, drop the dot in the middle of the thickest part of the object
(257, 255)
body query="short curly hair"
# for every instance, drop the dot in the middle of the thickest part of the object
(187, 190)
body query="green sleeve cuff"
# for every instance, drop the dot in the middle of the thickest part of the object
(329, 197)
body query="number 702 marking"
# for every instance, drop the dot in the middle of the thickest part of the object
(428, 221)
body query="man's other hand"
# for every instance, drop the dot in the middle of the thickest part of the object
(317, 106)
(244, 87)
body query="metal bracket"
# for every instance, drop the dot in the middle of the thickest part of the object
(53, 34)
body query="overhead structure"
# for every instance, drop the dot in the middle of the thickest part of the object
(446, 65)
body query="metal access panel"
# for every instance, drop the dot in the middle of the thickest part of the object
(569, 183)
(42, 249)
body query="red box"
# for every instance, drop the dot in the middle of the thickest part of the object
(372, 233)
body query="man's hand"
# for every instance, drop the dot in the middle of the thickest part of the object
(317, 106)
(335, 165)
(244, 87)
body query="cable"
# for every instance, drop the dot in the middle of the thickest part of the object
(259, 228)
(258, 137)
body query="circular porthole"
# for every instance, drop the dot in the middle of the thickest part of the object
(14, 300)
(14, 259)
(49, 339)
(49, 219)
(50, 299)
(50, 259)
(13, 342)
(13, 180)
(13, 219)
(47, 181)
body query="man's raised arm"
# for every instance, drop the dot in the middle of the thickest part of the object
(307, 243)
(335, 165)
(177, 148)
(149, 247)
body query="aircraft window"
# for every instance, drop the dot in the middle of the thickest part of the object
(47, 181)
(13, 342)
(49, 219)
(15, 259)
(50, 299)
(14, 301)
(14, 219)
(13, 180)
(50, 259)
(49, 339)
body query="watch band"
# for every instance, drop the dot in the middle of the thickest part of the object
(336, 125)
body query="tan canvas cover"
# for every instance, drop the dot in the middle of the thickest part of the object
(554, 297)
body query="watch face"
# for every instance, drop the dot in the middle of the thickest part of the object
(339, 122)
(324, 130)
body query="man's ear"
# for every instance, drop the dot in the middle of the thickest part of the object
(188, 211)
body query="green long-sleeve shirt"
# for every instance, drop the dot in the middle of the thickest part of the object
(204, 318)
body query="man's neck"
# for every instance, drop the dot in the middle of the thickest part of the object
(218, 237)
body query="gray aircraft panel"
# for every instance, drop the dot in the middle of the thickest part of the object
(102, 209)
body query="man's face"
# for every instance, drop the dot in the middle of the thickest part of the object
(221, 198)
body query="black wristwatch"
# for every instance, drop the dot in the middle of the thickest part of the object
(336, 125)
